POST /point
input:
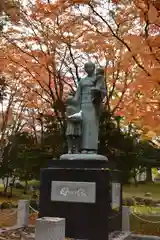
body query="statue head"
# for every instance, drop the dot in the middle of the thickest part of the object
(89, 68)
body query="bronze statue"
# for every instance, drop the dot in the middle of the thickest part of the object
(83, 113)
(89, 95)
(73, 131)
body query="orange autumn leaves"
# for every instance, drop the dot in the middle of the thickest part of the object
(11, 8)
(141, 57)
(64, 37)
(151, 62)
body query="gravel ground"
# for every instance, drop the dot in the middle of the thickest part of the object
(18, 234)
(8, 217)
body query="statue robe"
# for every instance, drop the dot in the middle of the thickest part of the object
(90, 118)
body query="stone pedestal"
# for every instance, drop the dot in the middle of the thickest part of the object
(82, 192)
(23, 213)
(50, 228)
(126, 218)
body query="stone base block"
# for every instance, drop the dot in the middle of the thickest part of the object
(50, 228)
(82, 192)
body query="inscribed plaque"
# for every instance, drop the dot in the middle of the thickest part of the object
(84, 192)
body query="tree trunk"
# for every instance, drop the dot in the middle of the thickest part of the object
(26, 186)
(135, 178)
(149, 175)
(5, 185)
(11, 186)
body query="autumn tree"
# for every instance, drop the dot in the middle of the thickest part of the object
(47, 48)
(59, 51)
(132, 29)
(54, 39)
(13, 113)
(49, 67)
(11, 8)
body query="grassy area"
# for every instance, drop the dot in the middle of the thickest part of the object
(147, 226)
(146, 210)
(139, 191)
(32, 183)
(128, 191)
(18, 193)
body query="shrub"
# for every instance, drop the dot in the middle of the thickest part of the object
(148, 202)
(128, 202)
(34, 183)
(14, 205)
(6, 205)
(139, 200)
(19, 185)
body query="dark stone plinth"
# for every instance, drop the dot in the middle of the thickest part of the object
(82, 164)
(78, 164)
(88, 214)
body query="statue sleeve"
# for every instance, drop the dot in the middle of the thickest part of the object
(77, 96)
(67, 112)
(102, 86)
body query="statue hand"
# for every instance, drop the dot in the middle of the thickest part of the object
(77, 117)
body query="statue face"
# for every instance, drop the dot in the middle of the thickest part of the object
(89, 68)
